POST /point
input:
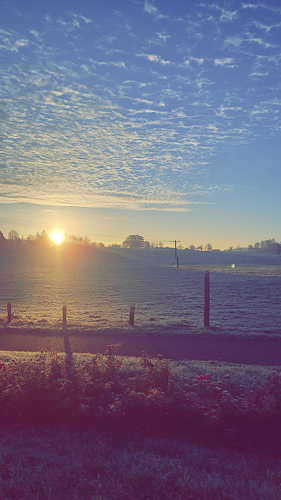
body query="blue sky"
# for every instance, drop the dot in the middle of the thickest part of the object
(159, 118)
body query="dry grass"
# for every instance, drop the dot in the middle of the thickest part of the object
(60, 464)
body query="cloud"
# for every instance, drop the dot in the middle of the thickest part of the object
(199, 60)
(150, 8)
(226, 15)
(227, 61)
(159, 39)
(87, 121)
(155, 58)
(261, 6)
(236, 41)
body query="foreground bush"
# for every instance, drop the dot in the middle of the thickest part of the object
(49, 390)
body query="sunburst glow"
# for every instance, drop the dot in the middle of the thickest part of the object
(57, 237)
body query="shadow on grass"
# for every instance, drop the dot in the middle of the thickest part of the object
(70, 367)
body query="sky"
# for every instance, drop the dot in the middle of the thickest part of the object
(159, 118)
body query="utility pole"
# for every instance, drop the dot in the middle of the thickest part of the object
(175, 241)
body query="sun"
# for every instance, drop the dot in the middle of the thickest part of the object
(57, 237)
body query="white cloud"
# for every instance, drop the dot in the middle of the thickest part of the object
(224, 62)
(150, 8)
(261, 6)
(119, 64)
(101, 136)
(226, 15)
(199, 60)
(155, 58)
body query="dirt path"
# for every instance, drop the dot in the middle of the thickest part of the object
(231, 350)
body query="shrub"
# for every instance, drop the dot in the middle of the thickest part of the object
(48, 390)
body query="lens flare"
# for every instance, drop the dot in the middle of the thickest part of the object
(57, 237)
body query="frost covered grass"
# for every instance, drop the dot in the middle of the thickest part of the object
(52, 464)
(99, 291)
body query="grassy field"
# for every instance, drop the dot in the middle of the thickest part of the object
(60, 464)
(107, 427)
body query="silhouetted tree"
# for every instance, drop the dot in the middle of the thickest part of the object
(191, 247)
(87, 240)
(43, 238)
(208, 247)
(14, 235)
(2, 238)
(133, 241)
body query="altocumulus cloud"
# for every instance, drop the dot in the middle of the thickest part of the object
(91, 115)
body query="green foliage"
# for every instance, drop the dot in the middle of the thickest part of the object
(49, 390)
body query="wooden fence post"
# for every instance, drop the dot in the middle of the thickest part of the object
(207, 299)
(132, 314)
(64, 309)
(177, 262)
(9, 311)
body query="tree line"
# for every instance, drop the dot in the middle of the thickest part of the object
(44, 239)
(266, 246)
(133, 241)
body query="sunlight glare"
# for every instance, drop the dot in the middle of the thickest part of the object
(57, 237)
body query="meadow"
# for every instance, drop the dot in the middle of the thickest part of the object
(104, 427)
(110, 427)
(99, 286)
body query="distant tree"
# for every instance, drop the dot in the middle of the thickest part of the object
(200, 248)
(160, 244)
(72, 237)
(208, 247)
(2, 238)
(180, 247)
(13, 235)
(147, 244)
(250, 248)
(87, 240)
(43, 238)
(256, 246)
(133, 241)
(152, 244)
(191, 247)
(30, 237)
